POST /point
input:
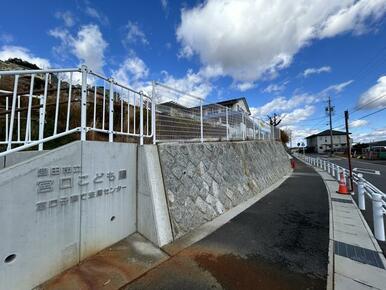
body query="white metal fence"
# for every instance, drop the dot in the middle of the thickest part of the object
(47, 108)
(183, 116)
(38, 106)
(364, 188)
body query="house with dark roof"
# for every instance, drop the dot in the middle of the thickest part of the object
(321, 142)
(234, 105)
(238, 105)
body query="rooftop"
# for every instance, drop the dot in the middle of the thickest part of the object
(327, 133)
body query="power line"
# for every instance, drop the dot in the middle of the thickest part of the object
(365, 116)
(367, 103)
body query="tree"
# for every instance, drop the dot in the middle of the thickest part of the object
(274, 120)
(284, 137)
(23, 63)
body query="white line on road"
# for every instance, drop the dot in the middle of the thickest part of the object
(367, 171)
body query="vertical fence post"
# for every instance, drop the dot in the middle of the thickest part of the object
(41, 121)
(83, 115)
(6, 119)
(153, 113)
(140, 118)
(244, 125)
(111, 111)
(226, 118)
(28, 125)
(10, 134)
(43, 115)
(379, 227)
(201, 123)
(361, 192)
(254, 128)
(337, 173)
(18, 118)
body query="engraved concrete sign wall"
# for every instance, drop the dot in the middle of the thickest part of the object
(204, 180)
(62, 206)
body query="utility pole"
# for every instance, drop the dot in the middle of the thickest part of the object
(329, 110)
(348, 150)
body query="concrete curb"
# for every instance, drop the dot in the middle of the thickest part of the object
(349, 228)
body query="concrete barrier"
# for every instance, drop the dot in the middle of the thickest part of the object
(62, 206)
(153, 214)
(204, 180)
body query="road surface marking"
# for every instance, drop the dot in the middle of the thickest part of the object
(367, 171)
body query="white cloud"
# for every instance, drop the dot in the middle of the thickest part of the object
(337, 88)
(88, 45)
(374, 135)
(297, 115)
(164, 4)
(67, 18)
(275, 88)
(8, 51)
(194, 84)
(134, 34)
(374, 97)
(281, 104)
(358, 123)
(185, 52)
(92, 12)
(132, 71)
(244, 86)
(311, 71)
(251, 39)
(353, 18)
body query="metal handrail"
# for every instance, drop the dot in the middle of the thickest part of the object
(364, 188)
(26, 98)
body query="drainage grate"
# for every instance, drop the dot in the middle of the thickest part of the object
(358, 254)
(341, 200)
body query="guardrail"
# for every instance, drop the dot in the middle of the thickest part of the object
(38, 106)
(364, 188)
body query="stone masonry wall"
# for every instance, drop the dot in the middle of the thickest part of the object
(202, 181)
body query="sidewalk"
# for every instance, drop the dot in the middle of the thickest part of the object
(280, 242)
(356, 259)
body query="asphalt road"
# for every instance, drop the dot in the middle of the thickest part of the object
(378, 180)
(280, 242)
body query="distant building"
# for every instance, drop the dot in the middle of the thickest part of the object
(214, 115)
(237, 105)
(321, 142)
(375, 150)
(234, 105)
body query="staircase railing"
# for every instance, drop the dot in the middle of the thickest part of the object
(40, 106)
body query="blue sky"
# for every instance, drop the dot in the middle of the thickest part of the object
(283, 56)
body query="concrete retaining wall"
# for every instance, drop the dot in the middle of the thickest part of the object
(64, 205)
(153, 215)
(60, 207)
(204, 180)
